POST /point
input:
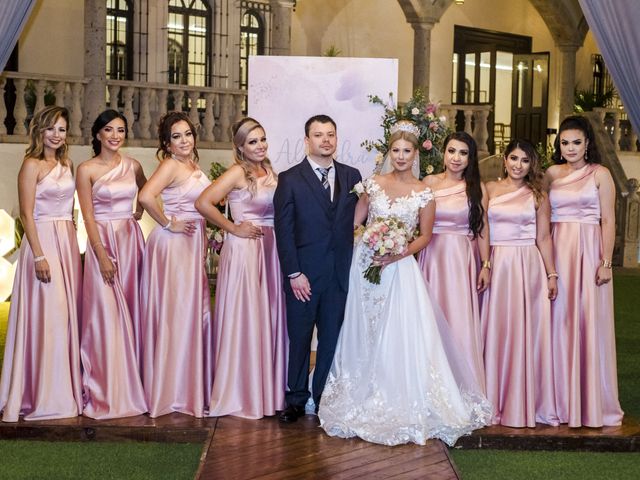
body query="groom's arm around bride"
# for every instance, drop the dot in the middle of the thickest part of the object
(314, 210)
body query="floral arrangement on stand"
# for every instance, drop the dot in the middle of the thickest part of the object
(215, 235)
(424, 114)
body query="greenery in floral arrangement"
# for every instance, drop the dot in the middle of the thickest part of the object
(216, 170)
(215, 235)
(423, 113)
(587, 100)
(545, 154)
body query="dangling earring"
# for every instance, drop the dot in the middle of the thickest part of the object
(586, 155)
(505, 173)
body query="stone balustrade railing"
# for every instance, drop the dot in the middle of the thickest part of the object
(213, 109)
(475, 122)
(615, 121)
(31, 92)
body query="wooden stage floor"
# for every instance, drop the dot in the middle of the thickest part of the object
(236, 448)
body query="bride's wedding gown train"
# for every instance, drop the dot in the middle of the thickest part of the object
(397, 376)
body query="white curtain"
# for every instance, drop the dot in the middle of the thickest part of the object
(616, 26)
(13, 16)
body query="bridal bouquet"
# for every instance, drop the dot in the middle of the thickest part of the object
(383, 236)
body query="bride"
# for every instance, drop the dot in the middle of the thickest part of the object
(395, 377)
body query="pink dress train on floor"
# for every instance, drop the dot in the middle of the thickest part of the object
(450, 267)
(249, 320)
(584, 346)
(176, 311)
(516, 317)
(41, 376)
(111, 314)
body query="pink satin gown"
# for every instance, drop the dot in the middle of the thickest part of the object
(111, 314)
(249, 322)
(450, 267)
(41, 376)
(516, 317)
(175, 302)
(584, 347)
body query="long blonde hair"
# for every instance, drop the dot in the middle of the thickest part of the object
(240, 130)
(46, 118)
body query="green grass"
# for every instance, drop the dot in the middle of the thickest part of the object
(97, 460)
(515, 465)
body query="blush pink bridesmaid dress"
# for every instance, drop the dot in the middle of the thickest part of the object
(516, 317)
(175, 303)
(450, 267)
(41, 376)
(249, 322)
(111, 314)
(583, 337)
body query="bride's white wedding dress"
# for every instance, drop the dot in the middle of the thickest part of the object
(395, 377)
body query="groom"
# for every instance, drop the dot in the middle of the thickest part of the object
(314, 210)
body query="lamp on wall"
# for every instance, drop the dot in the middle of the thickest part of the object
(459, 2)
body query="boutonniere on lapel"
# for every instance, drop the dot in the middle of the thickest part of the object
(358, 189)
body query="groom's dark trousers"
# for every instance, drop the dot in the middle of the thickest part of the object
(315, 237)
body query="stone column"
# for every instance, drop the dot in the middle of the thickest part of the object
(95, 37)
(567, 78)
(421, 54)
(281, 11)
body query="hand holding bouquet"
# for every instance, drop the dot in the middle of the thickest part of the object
(384, 237)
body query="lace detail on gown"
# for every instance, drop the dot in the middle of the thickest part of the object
(391, 381)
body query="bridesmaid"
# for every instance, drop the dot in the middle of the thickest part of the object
(175, 299)
(516, 310)
(450, 261)
(41, 372)
(582, 196)
(249, 323)
(107, 186)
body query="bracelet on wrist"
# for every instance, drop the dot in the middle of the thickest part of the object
(167, 226)
(486, 264)
(606, 263)
(39, 259)
(552, 275)
(295, 275)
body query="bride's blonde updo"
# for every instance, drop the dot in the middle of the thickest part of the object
(240, 130)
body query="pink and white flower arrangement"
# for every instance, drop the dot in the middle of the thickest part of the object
(383, 236)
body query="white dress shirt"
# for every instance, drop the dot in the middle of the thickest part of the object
(331, 176)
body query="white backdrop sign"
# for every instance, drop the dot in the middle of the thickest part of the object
(285, 91)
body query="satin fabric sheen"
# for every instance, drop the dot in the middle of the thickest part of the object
(516, 317)
(249, 320)
(583, 337)
(396, 377)
(111, 314)
(41, 376)
(450, 267)
(175, 305)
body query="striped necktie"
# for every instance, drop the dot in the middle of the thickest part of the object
(324, 172)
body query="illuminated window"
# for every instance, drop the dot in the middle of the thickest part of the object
(119, 39)
(189, 42)
(251, 42)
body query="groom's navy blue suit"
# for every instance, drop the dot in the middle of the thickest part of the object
(315, 237)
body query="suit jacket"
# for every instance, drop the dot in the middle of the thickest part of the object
(314, 235)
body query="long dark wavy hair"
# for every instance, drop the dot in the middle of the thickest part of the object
(534, 176)
(471, 176)
(575, 122)
(101, 121)
(164, 134)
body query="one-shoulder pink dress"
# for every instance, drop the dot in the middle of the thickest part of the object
(516, 317)
(111, 314)
(41, 376)
(450, 267)
(584, 346)
(249, 320)
(176, 309)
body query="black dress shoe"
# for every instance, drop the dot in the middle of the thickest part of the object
(291, 414)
